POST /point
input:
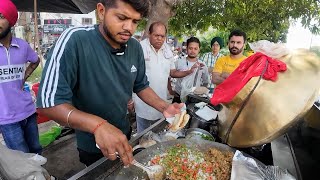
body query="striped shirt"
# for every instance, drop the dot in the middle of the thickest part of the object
(84, 70)
(210, 60)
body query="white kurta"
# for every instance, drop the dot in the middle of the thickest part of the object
(158, 65)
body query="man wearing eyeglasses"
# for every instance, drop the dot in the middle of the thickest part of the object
(18, 122)
(159, 60)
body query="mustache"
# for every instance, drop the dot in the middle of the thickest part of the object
(125, 33)
(234, 48)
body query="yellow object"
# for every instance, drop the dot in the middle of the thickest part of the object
(227, 64)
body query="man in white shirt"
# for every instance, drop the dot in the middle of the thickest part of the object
(159, 60)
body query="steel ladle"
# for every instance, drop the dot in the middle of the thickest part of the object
(155, 172)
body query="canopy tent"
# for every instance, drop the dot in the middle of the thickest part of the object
(57, 6)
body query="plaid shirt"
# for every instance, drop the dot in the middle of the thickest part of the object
(209, 59)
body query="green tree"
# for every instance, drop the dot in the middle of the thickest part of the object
(205, 40)
(260, 19)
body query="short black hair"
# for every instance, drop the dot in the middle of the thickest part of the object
(238, 32)
(158, 23)
(141, 6)
(193, 39)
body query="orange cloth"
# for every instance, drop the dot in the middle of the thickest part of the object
(250, 67)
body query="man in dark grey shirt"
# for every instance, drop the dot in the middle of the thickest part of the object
(89, 78)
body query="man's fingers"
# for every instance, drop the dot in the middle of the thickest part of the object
(129, 152)
(125, 153)
(110, 153)
(173, 109)
(178, 106)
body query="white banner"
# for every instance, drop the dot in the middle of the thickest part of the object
(10, 73)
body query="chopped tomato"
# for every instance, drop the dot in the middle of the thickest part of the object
(175, 169)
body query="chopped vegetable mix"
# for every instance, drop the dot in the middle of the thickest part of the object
(185, 163)
(206, 137)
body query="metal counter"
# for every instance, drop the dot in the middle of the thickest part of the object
(103, 168)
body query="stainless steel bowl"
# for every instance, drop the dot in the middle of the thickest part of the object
(197, 133)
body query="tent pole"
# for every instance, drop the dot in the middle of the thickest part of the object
(37, 41)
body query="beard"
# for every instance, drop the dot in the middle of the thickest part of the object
(192, 56)
(5, 33)
(110, 36)
(238, 51)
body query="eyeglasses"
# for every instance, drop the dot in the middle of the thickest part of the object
(1, 16)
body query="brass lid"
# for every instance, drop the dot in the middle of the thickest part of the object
(274, 106)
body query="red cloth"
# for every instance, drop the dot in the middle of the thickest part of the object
(9, 11)
(250, 67)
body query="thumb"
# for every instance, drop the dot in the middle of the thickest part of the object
(178, 106)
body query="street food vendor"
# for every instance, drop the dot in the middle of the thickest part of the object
(89, 78)
(227, 64)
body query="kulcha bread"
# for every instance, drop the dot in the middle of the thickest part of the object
(274, 106)
(180, 121)
(201, 90)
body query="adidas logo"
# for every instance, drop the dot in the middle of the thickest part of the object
(133, 69)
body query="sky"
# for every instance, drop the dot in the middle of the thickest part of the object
(299, 37)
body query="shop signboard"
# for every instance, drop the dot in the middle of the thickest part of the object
(55, 28)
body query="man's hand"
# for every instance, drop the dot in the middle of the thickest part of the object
(111, 141)
(172, 110)
(201, 65)
(130, 106)
(225, 75)
(193, 68)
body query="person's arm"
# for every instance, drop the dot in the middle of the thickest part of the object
(33, 58)
(109, 138)
(205, 76)
(130, 106)
(32, 66)
(217, 78)
(180, 74)
(152, 99)
(169, 87)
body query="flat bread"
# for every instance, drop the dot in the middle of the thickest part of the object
(180, 121)
(175, 123)
(185, 121)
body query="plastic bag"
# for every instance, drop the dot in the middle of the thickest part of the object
(48, 137)
(269, 48)
(247, 168)
(187, 85)
(19, 165)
